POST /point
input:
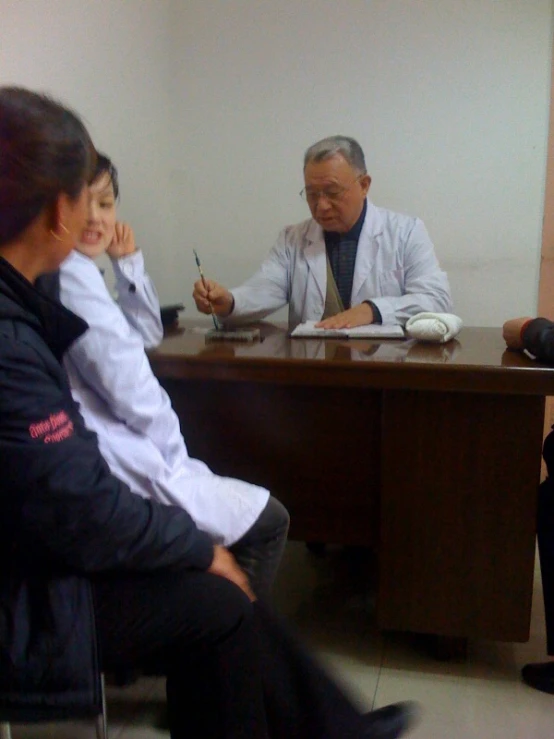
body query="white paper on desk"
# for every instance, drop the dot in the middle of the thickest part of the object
(370, 331)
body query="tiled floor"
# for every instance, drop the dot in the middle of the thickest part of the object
(330, 604)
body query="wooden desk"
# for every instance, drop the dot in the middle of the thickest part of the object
(430, 454)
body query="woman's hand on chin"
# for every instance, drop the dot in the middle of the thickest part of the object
(123, 242)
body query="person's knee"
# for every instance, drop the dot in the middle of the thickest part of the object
(279, 515)
(215, 607)
(272, 524)
(231, 609)
(274, 521)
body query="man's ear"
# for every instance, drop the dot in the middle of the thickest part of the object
(365, 182)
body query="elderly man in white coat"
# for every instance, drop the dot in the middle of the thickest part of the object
(349, 265)
(121, 400)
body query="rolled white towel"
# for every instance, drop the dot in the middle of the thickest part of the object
(437, 328)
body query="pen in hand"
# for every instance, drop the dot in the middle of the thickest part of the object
(214, 319)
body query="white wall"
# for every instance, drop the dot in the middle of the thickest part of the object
(110, 60)
(449, 99)
(207, 106)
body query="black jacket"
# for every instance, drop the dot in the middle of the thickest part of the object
(63, 516)
(538, 338)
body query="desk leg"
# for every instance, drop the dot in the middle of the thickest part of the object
(458, 502)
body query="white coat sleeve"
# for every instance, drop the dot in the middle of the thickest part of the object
(111, 360)
(137, 298)
(426, 287)
(267, 290)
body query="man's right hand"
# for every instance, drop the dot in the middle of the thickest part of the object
(225, 565)
(213, 296)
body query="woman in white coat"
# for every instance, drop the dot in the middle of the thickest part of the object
(122, 401)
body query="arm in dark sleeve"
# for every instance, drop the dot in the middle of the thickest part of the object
(538, 339)
(377, 317)
(65, 505)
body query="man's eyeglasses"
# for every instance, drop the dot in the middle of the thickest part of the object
(333, 194)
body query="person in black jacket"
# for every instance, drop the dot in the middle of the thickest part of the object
(93, 576)
(536, 336)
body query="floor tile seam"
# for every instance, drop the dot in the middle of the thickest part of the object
(379, 672)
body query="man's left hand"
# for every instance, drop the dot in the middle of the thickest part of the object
(360, 315)
(511, 331)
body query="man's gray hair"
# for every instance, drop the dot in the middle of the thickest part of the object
(348, 148)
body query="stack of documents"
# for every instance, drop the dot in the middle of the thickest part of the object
(370, 331)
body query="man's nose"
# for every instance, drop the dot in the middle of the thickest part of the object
(323, 203)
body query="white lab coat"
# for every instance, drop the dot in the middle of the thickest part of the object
(122, 401)
(396, 268)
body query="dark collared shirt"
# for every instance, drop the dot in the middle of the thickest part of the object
(341, 250)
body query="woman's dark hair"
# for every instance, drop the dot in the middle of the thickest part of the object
(45, 150)
(104, 165)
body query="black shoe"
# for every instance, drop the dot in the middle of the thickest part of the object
(390, 722)
(539, 676)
